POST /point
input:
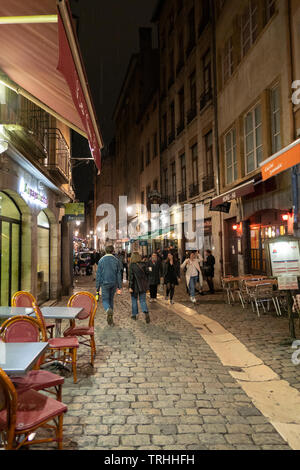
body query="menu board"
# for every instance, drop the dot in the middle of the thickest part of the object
(288, 283)
(285, 258)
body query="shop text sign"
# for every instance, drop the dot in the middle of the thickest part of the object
(285, 258)
(75, 212)
(32, 195)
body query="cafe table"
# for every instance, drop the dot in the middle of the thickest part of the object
(60, 313)
(19, 358)
(8, 312)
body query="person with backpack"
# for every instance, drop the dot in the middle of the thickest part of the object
(138, 286)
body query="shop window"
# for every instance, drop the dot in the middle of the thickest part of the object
(43, 257)
(259, 234)
(10, 223)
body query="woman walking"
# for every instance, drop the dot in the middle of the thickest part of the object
(171, 276)
(138, 286)
(155, 274)
(193, 273)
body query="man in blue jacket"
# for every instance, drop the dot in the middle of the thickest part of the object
(109, 278)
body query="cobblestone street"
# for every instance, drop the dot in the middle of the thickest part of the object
(160, 386)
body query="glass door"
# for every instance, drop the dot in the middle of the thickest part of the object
(10, 234)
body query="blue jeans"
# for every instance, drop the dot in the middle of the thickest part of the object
(192, 286)
(108, 294)
(134, 301)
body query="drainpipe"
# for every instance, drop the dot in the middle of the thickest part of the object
(216, 125)
(291, 70)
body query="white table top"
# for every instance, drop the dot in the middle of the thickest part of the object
(61, 313)
(8, 312)
(19, 358)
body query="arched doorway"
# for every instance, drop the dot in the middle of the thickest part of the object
(43, 257)
(10, 244)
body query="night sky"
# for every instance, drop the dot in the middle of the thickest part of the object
(108, 36)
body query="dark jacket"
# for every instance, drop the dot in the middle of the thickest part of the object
(209, 266)
(154, 273)
(171, 273)
(138, 279)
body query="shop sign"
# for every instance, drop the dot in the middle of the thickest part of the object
(75, 212)
(281, 161)
(288, 283)
(33, 196)
(285, 258)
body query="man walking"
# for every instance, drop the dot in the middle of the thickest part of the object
(155, 273)
(109, 278)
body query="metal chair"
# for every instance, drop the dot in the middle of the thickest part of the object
(264, 294)
(88, 302)
(67, 346)
(23, 329)
(22, 415)
(26, 299)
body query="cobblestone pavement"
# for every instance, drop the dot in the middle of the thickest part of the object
(266, 337)
(160, 386)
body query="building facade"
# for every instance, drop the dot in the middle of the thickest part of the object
(35, 183)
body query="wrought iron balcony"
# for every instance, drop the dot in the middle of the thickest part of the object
(58, 161)
(194, 190)
(205, 98)
(208, 183)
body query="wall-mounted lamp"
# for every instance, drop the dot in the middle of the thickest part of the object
(3, 146)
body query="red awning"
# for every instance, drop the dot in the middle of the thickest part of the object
(44, 59)
(284, 160)
(235, 193)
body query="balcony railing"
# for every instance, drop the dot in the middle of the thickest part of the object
(194, 190)
(208, 183)
(192, 113)
(205, 98)
(58, 161)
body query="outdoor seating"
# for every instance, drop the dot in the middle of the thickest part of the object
(21, 415)
(262, 294)
(26, 299)
(89, 304)
(228, 289)
(61, 349)
(25, 329)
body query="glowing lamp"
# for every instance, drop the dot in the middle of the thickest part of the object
(285, 217)
(235, 227)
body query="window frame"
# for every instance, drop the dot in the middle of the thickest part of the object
(254, 132)
(232, 150)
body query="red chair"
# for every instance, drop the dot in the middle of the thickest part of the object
(88, 302)
(22, 415)
(25, 299)
(67, 346)
(27, 330)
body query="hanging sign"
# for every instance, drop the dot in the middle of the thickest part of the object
(75, 212)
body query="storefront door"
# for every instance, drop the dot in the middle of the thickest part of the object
(10, 244)
(258, 235)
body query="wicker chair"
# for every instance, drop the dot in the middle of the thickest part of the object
(22, 415)
(21, 329)
(89, 304)
(26, 299)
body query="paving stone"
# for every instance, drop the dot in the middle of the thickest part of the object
(137, 440)
(267, 439)
(163, 440)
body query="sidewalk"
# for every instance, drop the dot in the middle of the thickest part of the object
(161, 386)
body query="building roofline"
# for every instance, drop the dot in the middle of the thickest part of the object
(130, 69)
